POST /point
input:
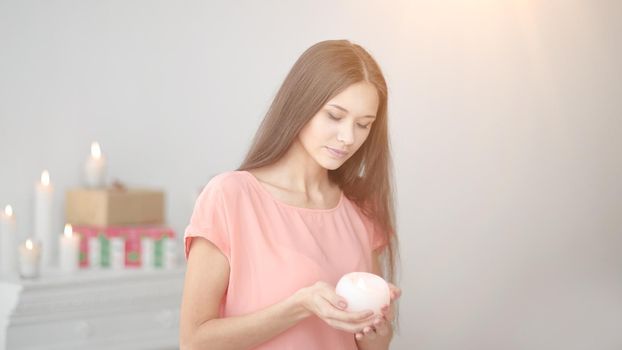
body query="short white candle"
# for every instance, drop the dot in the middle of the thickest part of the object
(95, 168)
(364, 291)
(170, 253)
(43, 219)
(29, 257)
(8, 242)
(117, 252)
(94, 247)
(147, 252)
(69, 250)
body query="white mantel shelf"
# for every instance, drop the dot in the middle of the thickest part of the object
(101, 309)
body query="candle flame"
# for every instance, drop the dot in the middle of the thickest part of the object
(96, 151)
(8, 210)
(68, 230)
(28, 244)
(45, 178)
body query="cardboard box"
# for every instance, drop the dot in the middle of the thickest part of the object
(109, 207)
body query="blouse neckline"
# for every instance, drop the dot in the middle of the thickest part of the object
(263, 190)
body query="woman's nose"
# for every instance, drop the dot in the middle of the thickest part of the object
(346, 135)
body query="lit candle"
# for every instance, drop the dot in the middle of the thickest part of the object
(364, 291)
(95, 168)
(29, 257)
(43, 219)
(8, 243)
(69, 250)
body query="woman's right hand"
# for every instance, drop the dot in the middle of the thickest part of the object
(321, 300)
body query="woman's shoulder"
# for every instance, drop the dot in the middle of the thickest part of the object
(227, 182)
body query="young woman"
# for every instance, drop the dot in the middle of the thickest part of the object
(312, 201)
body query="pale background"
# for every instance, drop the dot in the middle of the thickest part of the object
(505, 125)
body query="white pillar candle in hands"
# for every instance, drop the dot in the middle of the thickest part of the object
(95, 168)
(364, 291)
(43, 219)
(29, 259)
(69, 250)
(8, 242)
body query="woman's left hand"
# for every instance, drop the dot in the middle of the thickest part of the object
(382, 323)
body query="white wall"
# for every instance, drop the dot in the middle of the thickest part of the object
(505, 129)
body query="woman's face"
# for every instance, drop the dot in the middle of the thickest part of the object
(341, 126)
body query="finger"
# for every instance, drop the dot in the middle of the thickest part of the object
(344, 320)
(349, 317)
(340, 304)
(328, 292)
(387, 312)
(349, 327)
(329, 305)
(394, 288)
(382, 327)
(394, 291)
(370, 333)
(345, 316)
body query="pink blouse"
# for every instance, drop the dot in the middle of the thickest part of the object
(275, 249)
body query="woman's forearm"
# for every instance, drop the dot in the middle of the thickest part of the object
(248, 331)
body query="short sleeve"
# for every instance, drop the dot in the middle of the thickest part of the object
(208, 219)
(378, 237)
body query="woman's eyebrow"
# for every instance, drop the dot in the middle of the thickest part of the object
(345, 110)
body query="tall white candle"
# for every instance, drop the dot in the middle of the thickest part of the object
(8, 242)
(29, 259)
(95, 168)
(69, 250)
(44, 193)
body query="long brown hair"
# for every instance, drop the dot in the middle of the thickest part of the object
(322, 72)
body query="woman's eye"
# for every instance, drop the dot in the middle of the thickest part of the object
(365, 126)
(333, 117)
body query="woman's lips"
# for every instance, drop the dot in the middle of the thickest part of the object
(336, 153)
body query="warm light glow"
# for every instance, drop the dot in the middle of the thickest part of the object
(96, 151)
(28, 244)
(8, 210)
(361, 284)
(68, 230)
(45, 178)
